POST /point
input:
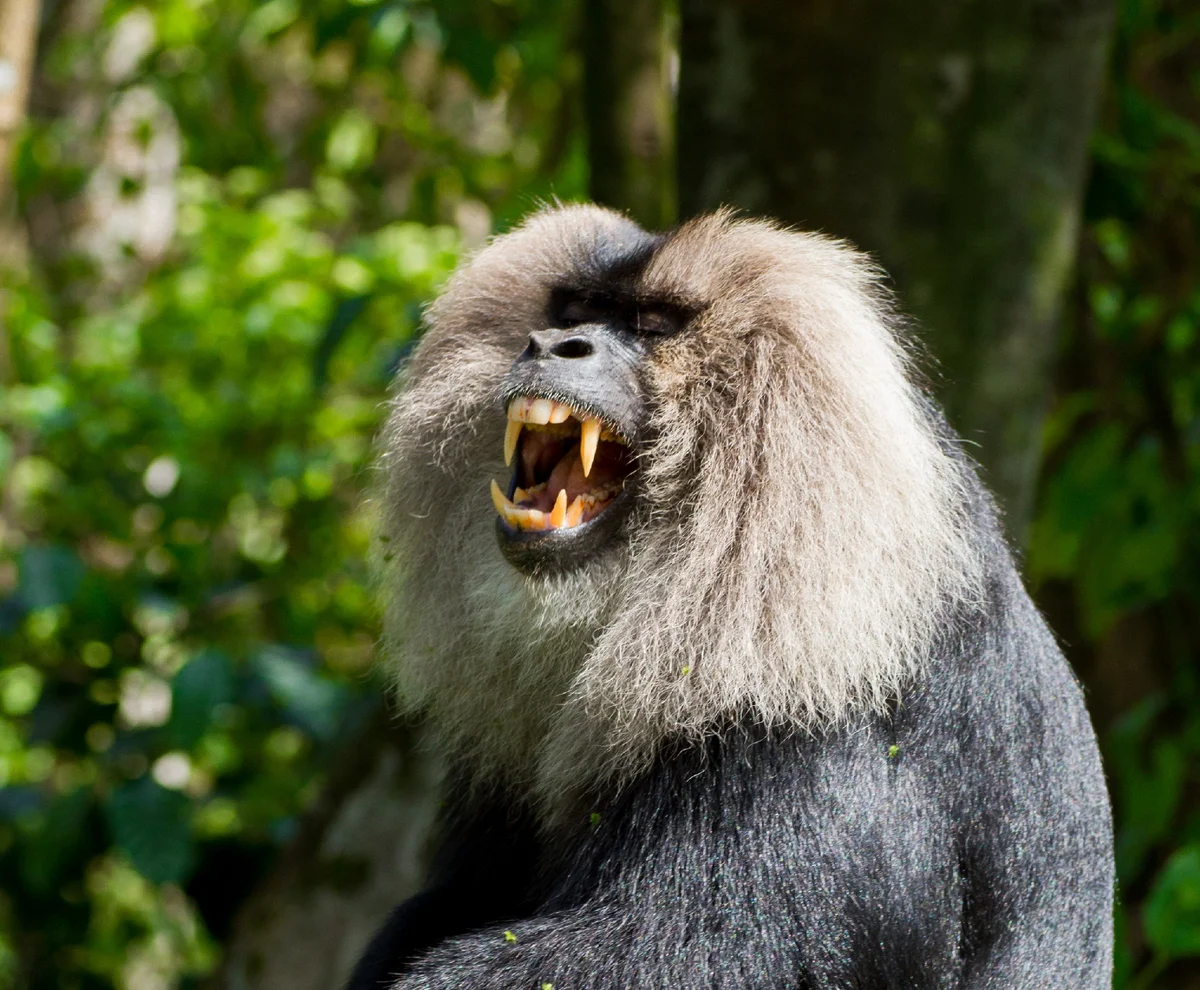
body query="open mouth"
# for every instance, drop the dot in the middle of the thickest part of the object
(570, 467)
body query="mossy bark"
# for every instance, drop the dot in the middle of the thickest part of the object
(360, 853)
(18, 35)
(949, 139)
(629, 64)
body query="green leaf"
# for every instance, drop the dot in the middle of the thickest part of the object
(20, 688)
(476, 53)
(150, 826)
(50, 576)
(314, 701)
(54, 840)
(1172, 911)
(351, 142)
(6, 454)
(203, 684)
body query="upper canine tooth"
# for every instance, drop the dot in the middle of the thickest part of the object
(539, 412)
(589, 438)
(559, 515)
(512, 433)
(559, 412)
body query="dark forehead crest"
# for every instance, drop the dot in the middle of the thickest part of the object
(610, 255)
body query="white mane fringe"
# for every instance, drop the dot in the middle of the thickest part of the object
(800, 532)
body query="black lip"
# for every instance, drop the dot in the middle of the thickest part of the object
(546, 550)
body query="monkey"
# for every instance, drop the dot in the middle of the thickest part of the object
(734, 673)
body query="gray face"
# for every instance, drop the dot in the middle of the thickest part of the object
(575, 404)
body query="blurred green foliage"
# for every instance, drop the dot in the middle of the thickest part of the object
(235, 212)
(1115, 552)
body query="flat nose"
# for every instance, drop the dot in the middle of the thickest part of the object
(560, 344)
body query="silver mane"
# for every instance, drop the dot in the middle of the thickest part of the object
(798, 534)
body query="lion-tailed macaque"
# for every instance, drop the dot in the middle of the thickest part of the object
(736, 678)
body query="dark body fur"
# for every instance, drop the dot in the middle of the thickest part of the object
(962, 839)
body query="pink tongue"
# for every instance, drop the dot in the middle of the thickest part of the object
(568, 474)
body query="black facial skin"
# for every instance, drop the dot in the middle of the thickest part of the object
(594, 367)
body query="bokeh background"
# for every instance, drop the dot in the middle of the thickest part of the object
(220, 222)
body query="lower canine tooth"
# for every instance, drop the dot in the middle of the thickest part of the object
(559, 515)
(514, 515)
(499, 501)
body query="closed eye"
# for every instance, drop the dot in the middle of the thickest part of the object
(655, 321)
(578, 311)
(651, 319)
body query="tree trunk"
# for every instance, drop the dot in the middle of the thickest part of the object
(18, 35)
(360, 853)
(629, 62)
(949, 139)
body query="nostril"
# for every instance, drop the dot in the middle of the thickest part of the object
(572, 347)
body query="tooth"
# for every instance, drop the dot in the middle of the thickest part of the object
(559, 515)
(519, 494)
(589, 437)
(538, 412)
(559, 412)
(575, 512)
(517, 517)
(499, 501)
(530, 519)
(512, 433)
